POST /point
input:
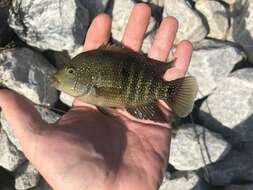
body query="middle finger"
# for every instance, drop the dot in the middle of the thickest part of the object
(137, 26)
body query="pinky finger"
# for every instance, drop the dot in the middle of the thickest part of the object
(182, 59)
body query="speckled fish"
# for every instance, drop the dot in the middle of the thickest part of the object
(113, 76)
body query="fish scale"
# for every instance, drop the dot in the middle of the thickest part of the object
(114, 76)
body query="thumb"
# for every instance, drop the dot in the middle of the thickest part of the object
(23, 117)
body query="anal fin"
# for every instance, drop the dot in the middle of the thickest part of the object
(147, 112)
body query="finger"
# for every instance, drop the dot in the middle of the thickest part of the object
(137, 26)
(98, 32)
(182, 60)
(164, 39)
(79, 103)
(23, 118)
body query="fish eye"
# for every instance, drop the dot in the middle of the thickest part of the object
(70, 70)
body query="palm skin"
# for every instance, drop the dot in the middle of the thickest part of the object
(87, 150)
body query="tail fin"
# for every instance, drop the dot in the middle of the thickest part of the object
(182, 99)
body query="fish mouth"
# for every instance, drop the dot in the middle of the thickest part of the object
(54, 81)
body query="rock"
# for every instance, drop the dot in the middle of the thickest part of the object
(26, 72)
(121, 12)
(216, 16)
(211, 62)
(46, 115)
(159, 3)
(6, 33)
(191, 26)
(183, 181)
(42, 185)
(229, 2)
(194, 146)
(10, 157)
(239, 187)
(241, 30)
(6, 182)
(232, 103)
(235, 167)
(58, 59)
(95, 6)
(26, 177)
(47, 24)
(66, 99)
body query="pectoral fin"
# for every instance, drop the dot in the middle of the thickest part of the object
(147, 112)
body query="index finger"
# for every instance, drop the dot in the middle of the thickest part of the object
(98, 32)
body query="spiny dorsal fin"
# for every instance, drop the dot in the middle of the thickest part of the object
(116, 47)
(157, 66)
(183, 100)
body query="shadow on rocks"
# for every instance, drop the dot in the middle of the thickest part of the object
(6, 33)
(235, 168)
(209, 122)
(6, 180)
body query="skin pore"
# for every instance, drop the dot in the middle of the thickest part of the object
(87, 150)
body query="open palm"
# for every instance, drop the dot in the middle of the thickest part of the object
(88, 150)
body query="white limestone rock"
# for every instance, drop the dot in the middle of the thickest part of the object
(46, 24)
(216, 16)
(27, 72)
(26, 177)
(211, 62)
(232, 102)
(191, 26)
(10, 157)
(193, 146)
(241, 30)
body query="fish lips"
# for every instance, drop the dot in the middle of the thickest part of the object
(54, 81)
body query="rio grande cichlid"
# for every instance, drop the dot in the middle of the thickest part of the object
(113, 76)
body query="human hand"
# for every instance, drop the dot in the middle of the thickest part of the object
(88, 150)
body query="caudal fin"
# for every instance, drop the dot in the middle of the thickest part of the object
(181, 102)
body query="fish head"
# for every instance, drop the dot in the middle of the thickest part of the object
(68, 80)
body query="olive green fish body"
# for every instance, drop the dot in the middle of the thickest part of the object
(119, 77)
(122, 80)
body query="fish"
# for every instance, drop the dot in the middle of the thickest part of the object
(114, 76)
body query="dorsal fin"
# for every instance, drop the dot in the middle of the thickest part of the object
(158, 66)
(116, 47)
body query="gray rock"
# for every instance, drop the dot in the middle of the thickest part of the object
(95, 6)
(183, 181)
(46, 24)
(43, 185)
(10, 157)
(229, 2)
(239, 187)
(191, 26)
(46, 115)
(26, 72)
(160, 3)
(211, 62)
(6, 33)
(121, 12)
(57, 58)
(241, 30)
(193, 146)
(237, 166)
(66, 99)
(232, 103)
(26, 177)
(216, 16)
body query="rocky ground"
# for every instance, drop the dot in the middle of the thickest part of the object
(211, 149)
